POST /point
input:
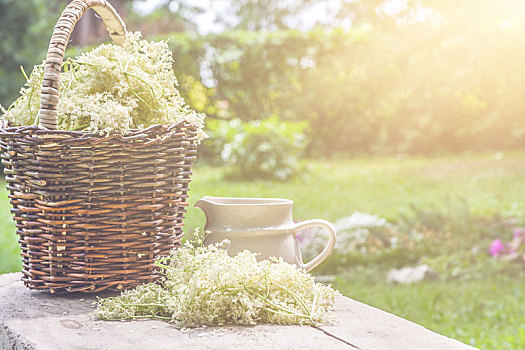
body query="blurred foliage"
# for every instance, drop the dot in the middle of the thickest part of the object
(453, 215)
(269, 148)
(426, 77)
(259, 15)
(448, 237)
(168, 16)
(451, 82)
(25, 28)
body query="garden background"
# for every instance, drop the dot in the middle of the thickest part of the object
(401, 121)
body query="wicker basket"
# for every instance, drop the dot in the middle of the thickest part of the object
(94, 212)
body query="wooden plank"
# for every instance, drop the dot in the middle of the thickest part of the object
(369, 328)
(39, 320)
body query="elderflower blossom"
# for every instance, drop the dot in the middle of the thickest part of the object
(205, 286)
(112, 89)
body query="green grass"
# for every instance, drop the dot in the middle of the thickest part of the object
(488, 313)
(484, 306)
(383, 186)
(9, 251)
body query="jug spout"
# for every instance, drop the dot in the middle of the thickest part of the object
(204, 204)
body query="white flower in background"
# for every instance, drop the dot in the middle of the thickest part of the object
(359, 220)
(353, 234)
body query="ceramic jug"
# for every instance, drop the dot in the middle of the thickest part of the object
(260, 225)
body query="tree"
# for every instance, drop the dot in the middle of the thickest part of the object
(168, 17)
(90, 29)
(25, 29)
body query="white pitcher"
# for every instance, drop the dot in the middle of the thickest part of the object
(260, 225)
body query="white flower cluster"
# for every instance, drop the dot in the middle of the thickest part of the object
(206, 286)
(353, 232)
(112, 89)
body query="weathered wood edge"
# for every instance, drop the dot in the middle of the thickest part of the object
(40, 321)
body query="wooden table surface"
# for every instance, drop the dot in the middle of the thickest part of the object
(39, 320)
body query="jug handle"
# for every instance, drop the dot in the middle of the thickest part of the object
(329, 246)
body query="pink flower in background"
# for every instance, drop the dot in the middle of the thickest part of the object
(517, 233)
(496, 247)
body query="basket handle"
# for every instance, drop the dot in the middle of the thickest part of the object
(48, 116)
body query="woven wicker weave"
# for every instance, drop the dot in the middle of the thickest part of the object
(94, 212)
